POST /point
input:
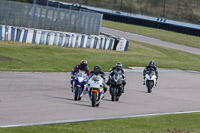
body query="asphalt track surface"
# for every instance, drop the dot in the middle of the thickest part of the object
(150, 40)
(44, 98)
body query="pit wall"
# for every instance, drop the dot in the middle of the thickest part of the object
(64, 39)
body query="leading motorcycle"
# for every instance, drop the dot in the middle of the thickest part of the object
(95, 89)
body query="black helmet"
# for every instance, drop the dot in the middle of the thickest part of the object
(151, 63)
(83, 63)
(97, 69)
(119, 66)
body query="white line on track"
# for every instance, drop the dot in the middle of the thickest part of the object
(94, 119)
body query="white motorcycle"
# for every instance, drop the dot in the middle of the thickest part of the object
(95, 89)
(150, 80)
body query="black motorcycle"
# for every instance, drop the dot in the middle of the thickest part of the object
(116, 86)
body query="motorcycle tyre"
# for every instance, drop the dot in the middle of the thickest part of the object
(113, 94)
(149, 86)
(77, 95)
(94, 98)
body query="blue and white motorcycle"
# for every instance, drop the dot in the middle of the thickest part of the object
(78, 84)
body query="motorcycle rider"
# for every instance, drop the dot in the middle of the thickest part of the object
(118, 68)
(83, 67)
(151, 66)
(97, 71)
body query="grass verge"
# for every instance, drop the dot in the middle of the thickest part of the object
(31, 57)
(183, 39)
(174, 123)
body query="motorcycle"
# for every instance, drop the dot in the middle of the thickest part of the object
(150, 80)
(78, 84)
(95, 89)
(116, 86)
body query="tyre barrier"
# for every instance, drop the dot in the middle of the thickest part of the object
(64, 39)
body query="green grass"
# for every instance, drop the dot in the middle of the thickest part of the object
(183, 39)
(175, 123)
(31, 57)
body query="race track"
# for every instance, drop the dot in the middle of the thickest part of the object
(42, 98)
(150, 40)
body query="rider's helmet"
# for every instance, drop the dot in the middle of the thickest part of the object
(151, 63)
(97, 69)
(83, 63)
(119, 66)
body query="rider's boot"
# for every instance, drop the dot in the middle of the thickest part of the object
(108, 82)
(71, 85)
(156, 81)
(104, 89)
(144, 81)
(86, 90)
(123, 89)
(83, 93)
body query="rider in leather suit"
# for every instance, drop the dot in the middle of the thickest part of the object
(97, 71)
(151, 66)
(118, 68)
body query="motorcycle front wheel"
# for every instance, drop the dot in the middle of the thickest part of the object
(77, 94)
(94, 99)
(149, 86)
(113, 94)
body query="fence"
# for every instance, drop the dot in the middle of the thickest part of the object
(49, 18)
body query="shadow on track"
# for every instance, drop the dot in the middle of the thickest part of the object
(141, 91)
(64, 99)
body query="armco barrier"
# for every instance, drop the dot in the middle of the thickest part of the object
(65, 39)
